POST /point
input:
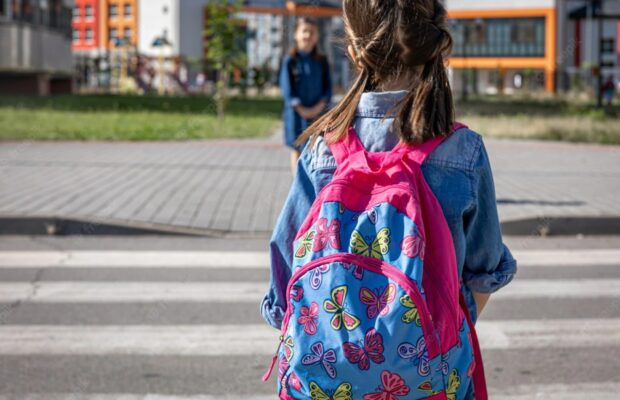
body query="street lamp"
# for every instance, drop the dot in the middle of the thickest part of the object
(161, 42)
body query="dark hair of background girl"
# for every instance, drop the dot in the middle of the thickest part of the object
(392, 39)
(315, 53)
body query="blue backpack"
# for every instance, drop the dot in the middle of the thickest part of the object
(374, 309)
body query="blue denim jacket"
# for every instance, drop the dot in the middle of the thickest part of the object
(459, 174)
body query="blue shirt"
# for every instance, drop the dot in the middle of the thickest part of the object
(459, 174)
(303, 81)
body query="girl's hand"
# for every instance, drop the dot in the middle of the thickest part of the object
(481, 300)
(305, 113)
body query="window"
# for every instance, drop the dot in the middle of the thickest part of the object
(127, 10)
(499, 37)
(127, 34)
(113, 11)
(76, 12)
(608, 45)
(89, 35)
(76, 35)
(113, 33)
(89, 11)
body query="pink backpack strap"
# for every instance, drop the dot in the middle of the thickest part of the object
(351, 144)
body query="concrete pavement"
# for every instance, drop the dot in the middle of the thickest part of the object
(109, 345)
(238, 186)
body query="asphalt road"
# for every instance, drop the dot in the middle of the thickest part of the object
(99, 318)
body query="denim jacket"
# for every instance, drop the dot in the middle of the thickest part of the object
(459, 174)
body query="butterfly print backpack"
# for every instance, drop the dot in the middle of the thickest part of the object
(374, 310)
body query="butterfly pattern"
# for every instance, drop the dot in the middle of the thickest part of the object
(358, 271)
(412, 314)
(341, 344)
(378, 303)
(327, 235)
(309, 317)
(305, 244)
(413, 246)
(376, 249)
(342, 392)
(371, 349)
(319, 356)
(392, 387)
(417, 354)
(336, 306)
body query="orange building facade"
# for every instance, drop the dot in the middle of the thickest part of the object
(119, 20)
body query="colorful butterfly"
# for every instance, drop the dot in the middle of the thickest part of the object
(305, 244)
(327, 235)
(443, 365)
(378, 248)
(358, 272)
(297, 292)
(316, 276)
(343, 392)
(454, 381)
(410, 315)
(325, 358)
(309, 317)
(392, 387)
(378, 303)
(412, 246)
(336, 307)
(372, 349)
(288, 348)
(417, 354)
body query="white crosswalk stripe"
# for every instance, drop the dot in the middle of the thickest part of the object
(223, 259)
(214, 339)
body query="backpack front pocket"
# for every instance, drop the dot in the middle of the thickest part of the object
(355, 326)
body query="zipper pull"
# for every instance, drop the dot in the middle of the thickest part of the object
(273, 361)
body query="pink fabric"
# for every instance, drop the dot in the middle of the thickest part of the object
(480, 384)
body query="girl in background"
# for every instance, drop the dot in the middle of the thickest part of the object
(305, 83)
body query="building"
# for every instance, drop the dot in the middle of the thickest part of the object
(534, 44)
(179, 21)
(85, 25)
(35, 47)
(119, 20)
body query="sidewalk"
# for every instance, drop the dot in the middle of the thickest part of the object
(238, 186)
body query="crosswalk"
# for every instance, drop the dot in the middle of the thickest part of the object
(185, 325)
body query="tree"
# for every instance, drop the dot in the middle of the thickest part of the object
(225, 50)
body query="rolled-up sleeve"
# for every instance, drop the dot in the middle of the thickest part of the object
(296, 207)
(489, 264)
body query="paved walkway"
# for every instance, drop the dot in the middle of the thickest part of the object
(239, 186)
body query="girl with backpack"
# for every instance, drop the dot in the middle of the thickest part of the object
(389, 244)
(305, 83)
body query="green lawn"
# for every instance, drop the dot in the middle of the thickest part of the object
(545, 119)
(107, 117)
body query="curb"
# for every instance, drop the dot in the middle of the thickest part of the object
(59, 226)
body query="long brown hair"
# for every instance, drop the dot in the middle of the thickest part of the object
(396, 39)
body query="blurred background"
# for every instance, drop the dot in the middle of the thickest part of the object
(142, 170)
